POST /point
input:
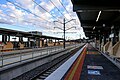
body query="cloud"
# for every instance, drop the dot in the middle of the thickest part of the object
(11, 14)
(10, 6)
(47, 5)
(27, 4)
(4, 21)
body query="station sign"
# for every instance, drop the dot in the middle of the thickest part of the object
(111, 35)
(94, 67)
(94, 72)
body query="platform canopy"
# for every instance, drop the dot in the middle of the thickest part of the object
(16, 33)
(97, 16)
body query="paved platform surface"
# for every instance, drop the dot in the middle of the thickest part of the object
(97, 67)
(59, 74)
(89, 64)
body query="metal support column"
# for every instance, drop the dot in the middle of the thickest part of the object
(100, 38)
(8, 38)
(119, 34)
(104, 38)
(29, 43)
(4, 38)
(114, 35)
(64, 34)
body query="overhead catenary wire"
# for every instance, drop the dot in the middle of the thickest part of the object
(11, 23)
(57, 8)
(48, 11)
(36, 14)
(27, 10)
(43, 8)
(65, 8)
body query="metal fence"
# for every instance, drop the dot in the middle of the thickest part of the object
(7, 58)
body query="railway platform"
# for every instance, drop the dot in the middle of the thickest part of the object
(98, 67)
(32, 49)
(89, 64)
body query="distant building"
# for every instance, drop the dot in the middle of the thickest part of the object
(36, 32)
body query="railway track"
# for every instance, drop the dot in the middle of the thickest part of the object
(51, 69)
(47, 72)
(41, 72)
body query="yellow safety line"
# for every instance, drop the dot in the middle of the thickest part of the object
(73, 72)
(87, 52)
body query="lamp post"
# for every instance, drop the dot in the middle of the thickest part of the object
(64, 22)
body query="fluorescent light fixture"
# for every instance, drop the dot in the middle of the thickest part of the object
(79, 10)
(103, 25)
(93, 27)
(98, 16)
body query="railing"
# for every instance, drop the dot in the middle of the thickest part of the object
(7, 58)
(115, 60)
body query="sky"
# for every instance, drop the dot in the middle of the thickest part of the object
(44, 16)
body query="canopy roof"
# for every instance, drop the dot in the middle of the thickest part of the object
(97, 16)
(10, 32)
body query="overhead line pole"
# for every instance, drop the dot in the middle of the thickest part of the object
(64, 33)
(64, 22)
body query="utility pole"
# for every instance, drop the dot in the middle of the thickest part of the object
(64, 22)
(64, 33)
